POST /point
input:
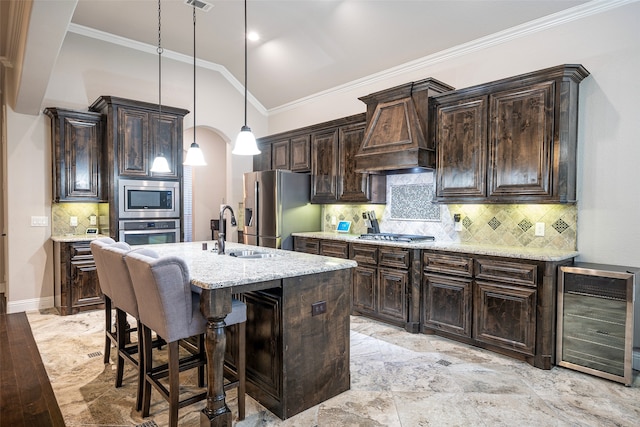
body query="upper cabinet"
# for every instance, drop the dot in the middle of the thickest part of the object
(328, 151)
(509, 141)
(76, 147)
(137, 132)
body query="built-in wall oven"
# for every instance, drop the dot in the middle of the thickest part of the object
(148, 211)
(148, 232)
(148, 199)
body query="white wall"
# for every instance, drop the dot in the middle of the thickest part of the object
(608, 45)
(87, 69)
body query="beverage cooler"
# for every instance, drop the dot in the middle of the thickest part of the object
(596, 317)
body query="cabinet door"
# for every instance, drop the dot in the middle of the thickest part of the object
(262, 161)
(133, 149)
(365, 281)
(462, 147)
(520, 141)
(334, 249)
(324, 165)
(392, 295)
(264, 343)
(82, 158)
(352, 186)
(505, 316)
(166, 141)
(306, 245)
(85, 289)
(447, 304)
(301, 153)
(280, 155)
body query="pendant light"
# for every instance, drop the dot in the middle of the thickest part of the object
(246, 141)
(194, 155)
(160, 164)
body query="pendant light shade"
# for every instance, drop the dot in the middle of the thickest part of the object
(245, 142)
(160, 164)
(194, 155)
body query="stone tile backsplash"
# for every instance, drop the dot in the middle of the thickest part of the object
(61, 214)
(410, 210)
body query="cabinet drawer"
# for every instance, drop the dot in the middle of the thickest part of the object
(394, 257)
(80, 251)
(448, 264)
(310, 246)
(509, 272)
(364, 254)
(334, 249)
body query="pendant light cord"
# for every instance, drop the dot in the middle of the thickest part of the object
(194, 73)
(245, 63)
(159, 50)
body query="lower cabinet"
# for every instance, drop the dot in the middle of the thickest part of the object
(501, 304)
(297, 358)
(76, 286)
(381, 283)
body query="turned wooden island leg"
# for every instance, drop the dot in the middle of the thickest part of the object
(215, 304)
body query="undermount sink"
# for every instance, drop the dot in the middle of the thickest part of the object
(252, 254)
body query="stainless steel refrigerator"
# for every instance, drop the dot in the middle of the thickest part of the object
(276, 204)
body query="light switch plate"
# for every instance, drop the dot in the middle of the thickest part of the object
(539, 228)
(73, 221)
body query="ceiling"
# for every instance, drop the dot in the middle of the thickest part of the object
(308, 46)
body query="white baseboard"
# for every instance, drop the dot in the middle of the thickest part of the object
(29, 304)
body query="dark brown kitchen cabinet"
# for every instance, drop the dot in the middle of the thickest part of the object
(289, 349)
(509, 141)
(447, 293)
(292, 154)
(262, 161)
(137, 132)
(381, 283)
(76, 147)
(306, 245)
(505, 305)
(76, 286)
(334, 248)
(280, 155)
(324, 167)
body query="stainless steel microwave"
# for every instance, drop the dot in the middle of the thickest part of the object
(148, 199)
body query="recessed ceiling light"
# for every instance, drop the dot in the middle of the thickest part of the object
(253, 36)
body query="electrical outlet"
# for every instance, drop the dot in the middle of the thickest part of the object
(539, 228)
(73, 221)
(318, 308)
(92, 220)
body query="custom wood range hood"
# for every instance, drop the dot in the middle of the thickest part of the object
(396, 138)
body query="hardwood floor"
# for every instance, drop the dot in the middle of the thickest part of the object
(26, 396)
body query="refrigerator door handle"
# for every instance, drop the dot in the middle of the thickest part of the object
(256, 208)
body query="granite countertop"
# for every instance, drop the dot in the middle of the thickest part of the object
(68, 238)
(537, 254)
(209, 270)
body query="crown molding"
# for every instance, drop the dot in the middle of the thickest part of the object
(147, 48)
(575, 13)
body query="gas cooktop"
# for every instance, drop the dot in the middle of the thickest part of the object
(391, 237)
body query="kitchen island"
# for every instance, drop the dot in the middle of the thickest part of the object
(298, 308)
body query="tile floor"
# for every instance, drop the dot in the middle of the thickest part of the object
(397, 379)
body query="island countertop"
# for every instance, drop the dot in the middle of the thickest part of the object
(538, 254)
(211, 271)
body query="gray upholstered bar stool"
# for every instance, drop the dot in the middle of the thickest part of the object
(105, 287)
(168, 306)
(124, 299)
